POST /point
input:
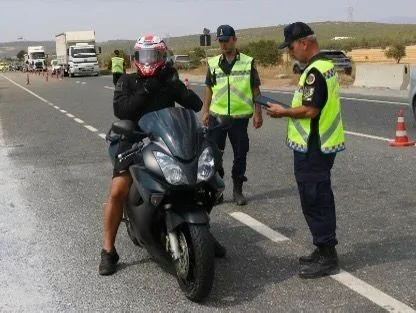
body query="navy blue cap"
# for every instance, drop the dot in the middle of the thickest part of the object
(225, 32)
(294, 32)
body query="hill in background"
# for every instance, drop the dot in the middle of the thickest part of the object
(364, 34)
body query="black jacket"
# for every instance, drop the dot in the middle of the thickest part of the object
(135, 96)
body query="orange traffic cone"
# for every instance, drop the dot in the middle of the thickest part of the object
(401, 139)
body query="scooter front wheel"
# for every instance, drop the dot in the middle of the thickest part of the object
(195, 268)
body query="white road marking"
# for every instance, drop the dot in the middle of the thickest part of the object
(376, 101)
(344, 98)
(350, 281)
(83, 83)
(376, 296)
(90, 128)
(108, 87)
(367, 136)
(25, 89)
(259, 227)
(78, 120)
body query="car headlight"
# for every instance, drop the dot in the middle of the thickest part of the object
(171, 170)
(205, 165)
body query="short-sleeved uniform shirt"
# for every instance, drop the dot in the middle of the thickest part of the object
(227, 67)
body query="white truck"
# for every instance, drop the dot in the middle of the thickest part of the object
(76, 52)
(35, 59)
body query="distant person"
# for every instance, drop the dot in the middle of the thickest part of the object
(118, 67)
(315, 132)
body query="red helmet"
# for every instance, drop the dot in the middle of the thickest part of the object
(150, 55)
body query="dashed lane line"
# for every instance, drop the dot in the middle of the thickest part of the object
(90, 128)
(259, 227)
(66, 113)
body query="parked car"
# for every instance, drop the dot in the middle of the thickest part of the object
(182, 61)
(412, 92)
(341, 62)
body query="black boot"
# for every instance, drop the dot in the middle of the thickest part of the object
(326, 264)
(108, 262)
(313, 257)
(238, 196)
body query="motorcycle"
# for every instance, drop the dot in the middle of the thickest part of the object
(175, 185)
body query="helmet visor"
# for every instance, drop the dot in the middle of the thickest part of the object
(149, 56)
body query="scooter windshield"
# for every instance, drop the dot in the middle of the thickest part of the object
(177, 127)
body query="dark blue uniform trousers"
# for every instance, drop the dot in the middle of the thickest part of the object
(238, 136)
(313, 176)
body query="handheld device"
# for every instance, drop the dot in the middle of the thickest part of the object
(262, 100)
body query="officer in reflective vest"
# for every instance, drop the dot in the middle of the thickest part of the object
(232, 83)
(315, 133)
(117, 66)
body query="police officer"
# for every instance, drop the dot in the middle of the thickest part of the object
(117, 66)
(316, 134)
(232, 82)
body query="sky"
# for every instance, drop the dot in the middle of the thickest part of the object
(130, 19)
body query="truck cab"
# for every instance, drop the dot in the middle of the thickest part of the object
(76, 53)
(36, 58)
(82, 60)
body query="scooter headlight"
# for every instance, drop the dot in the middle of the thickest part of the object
(206, 166)
(171, 170)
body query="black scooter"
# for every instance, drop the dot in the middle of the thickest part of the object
(175, 185)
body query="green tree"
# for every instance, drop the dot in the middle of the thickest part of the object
(196, 55)
(397, 52)
(265, 52)
(21, 55)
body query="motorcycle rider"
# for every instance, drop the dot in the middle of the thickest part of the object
(154, 86)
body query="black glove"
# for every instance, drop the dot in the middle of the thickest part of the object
(172, 81)
(151, 85)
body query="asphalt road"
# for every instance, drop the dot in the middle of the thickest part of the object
(54, 179)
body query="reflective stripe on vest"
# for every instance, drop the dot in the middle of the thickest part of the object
(331, 130)
(117, 65)
(232, 94)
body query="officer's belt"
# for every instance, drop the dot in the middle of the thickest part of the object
(232, 116)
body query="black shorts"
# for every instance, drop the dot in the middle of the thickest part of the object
(116, 147)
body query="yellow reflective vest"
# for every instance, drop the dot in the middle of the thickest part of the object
(331, 130)
(117, 65)
(232, 94)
